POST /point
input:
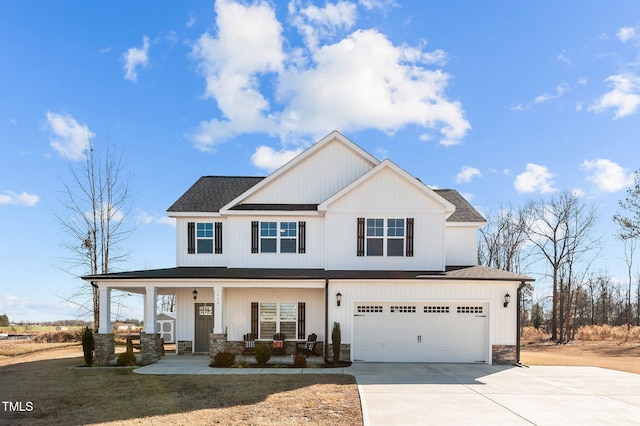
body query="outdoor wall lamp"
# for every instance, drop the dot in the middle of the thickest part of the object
(507, 299)
(195, 294)
(338, 298)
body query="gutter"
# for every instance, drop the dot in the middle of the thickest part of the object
(518, 313)
(326, 319)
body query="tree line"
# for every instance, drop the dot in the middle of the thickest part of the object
(555, 238)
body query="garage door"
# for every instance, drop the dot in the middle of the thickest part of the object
(421, 332)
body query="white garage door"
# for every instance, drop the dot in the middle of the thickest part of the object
(421, 332)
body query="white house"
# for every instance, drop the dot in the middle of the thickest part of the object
(335, 235)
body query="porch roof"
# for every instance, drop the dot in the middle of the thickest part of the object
(451, 273)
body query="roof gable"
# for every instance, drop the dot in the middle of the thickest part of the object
(311, 177)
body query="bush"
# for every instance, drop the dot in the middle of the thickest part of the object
(224, 359)
(127, 358)
(335, 342)
(88, 345)
(300, 361)
(262, 354)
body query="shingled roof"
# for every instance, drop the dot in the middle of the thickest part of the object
(210, 193)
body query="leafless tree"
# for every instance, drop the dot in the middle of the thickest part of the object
(629, 219)
(503, 239)
(629, 250)
(95, 206)
(560, 228)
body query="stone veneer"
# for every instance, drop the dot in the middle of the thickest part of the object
(150, 347)
(105, 348)
(503, 354)
(219, 343)
(345, 352)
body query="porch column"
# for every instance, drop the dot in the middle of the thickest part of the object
(150, 313)
(104, 294)
(217, 310)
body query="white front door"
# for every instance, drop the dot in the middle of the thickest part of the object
(421, 332)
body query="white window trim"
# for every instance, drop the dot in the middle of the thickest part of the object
(278, 320)
(385, 237)
(212, 238)
(278, 237)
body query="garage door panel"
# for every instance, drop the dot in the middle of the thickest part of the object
(421, 332)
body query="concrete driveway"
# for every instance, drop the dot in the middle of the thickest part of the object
(467, 394)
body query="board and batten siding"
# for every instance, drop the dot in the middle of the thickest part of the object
(502, 321)
(183, 258)
(185, 309)
(461, 245)
(320, 176)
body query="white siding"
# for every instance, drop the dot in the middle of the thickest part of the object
(461, 245)
(502, 321)
(317, 178)
(185, 309)
(185, 259)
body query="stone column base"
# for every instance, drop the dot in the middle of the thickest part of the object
(150, 347)
(105, 349)
(217, 343)
(503, 354)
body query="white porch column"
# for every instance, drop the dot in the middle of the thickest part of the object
(104, 295)
(150, 313)
(217, 309)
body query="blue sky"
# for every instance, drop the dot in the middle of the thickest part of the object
(503, 101)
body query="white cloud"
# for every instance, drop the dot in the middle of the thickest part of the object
(70, 138)
(624, 97)
(362, 81)
(145, 218)
(317, 23)
(467, 173)
(560, 90)
(34, 309)
(135, 58)
(22, 199)
(627, 33)
(377, 4)
(268, 159)
(535, 178)
(607, 175)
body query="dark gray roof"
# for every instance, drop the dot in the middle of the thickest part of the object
(475, 273)
(211, 193)
(464, 211)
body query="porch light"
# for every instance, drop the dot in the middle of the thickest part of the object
(195, 294)
(507, 299)
(338, 298)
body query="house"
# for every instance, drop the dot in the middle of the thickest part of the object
(333, 236)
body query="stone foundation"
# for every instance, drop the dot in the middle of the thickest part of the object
(150, 347)
(105, 349)
(217, 343)
(503, 354)
(345, 352)
(185, 347)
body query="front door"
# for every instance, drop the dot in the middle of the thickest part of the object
(204, 326)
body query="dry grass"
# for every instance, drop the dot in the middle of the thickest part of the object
(74, 396)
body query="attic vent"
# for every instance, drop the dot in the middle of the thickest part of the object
(368, 309)
(470, 309)
(404, 309)
(436, 309)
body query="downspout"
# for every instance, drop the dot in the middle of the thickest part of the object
(326, 319)
(518, 302)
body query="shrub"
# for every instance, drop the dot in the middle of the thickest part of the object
(300, 361)
(241, 364)
(224, 359)
(127, 358)
(88, 345)
(262, 354)
(335, 342)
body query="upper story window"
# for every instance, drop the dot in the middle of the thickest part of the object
(204, 237)
(385, 237)
(278, 237)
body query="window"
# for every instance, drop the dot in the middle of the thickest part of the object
(278, 237)
(204, 237)
(385, 237)
(278, 318)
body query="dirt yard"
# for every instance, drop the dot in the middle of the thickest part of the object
(59, 394)
(605, 354)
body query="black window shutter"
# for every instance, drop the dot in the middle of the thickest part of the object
(360, 241)
(191, 237)
(409, 241)
(301, 313)
(302, 237)
(218, 238)
(254, 319)
(254, 236)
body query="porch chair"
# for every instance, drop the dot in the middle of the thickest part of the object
(278, 344)
(249, 343)
(308, 347)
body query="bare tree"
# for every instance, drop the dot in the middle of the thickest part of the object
(629, 250)
(629, 219)
(503, 239)
(560, 229)
(95, 204)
